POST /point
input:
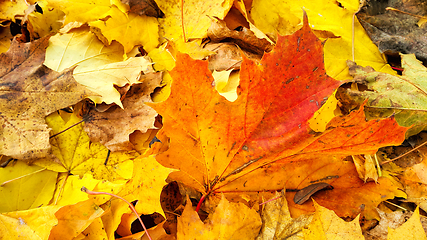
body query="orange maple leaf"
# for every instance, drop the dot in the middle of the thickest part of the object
(262, 141)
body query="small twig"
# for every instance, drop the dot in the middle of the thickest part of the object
(84, 189)
(424, 143)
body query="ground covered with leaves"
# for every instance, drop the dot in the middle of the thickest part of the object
(212, 119)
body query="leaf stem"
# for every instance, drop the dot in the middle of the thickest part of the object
(200, 203)
(84, 189)
(26, 175)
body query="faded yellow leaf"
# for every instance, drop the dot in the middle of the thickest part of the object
(113, 216)
(410, 230)
(24, 82)
(149, 178)
(229, 221)
(197, 17)
(82, 11)
(69, 188)
(95, 231)
(278, 223)
(74, 219)
(334, 17)
(30, 224)
(78, 155)
(42, 24)
(8, 9)
(129, 30)
(226, 84)
(99, 67)
(327, 225)
(32, 188)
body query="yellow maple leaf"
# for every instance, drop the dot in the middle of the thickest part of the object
(82, 11)
(77, 155)
(129, 30)
(327, 225)
(277, 220)
(32, 187)
(69, 191)
(197, 17)
(73, 219)
(30, 224)
(42, 24)
(411, 229)
(8, 9)
(149, 178)
(229, 221)
(99, 67)
(331, 16)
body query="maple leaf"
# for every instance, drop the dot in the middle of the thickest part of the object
(23, 82)
(196, 17)
(334, 22)
(99, 67)
(411, 229)
(244, 223)
(76, 154)
(134, 116)
(32, 187)
(327, 225)
(262, 141)
(277, 220)
(401, 96)
(129, 30)
(30, 224)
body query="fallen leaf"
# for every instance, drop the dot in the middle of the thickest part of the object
(24, 81)
(334, 17)
(82, 11)
(99, 67)
(135, 115)
(229, 221)
(197, 17)
(144, 7)
(245, 38)
(252, 144)
(129, 30)
(32, 187)
(69, 191)
(278, 223)
(365, 167)
(11, 8)
(74, 219)
(327, 225)
(404, 96)
(78, 155)
(42, 24)
(113, 216)
(149, 178)
(411, 229)
(30, 224)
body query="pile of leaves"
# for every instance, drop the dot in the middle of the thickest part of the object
(215, 119)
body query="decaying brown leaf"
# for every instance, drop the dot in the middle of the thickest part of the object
(135, 116)
(28, 92)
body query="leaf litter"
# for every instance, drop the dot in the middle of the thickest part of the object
(239, 163)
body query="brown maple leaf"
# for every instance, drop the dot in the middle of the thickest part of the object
(262, 141)
(28, 92)
(135, 115)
